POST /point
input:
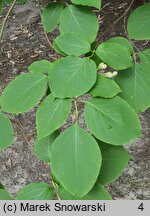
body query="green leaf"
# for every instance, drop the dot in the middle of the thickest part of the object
(81, 20)
(4, 195)
(64, 195)
(36, 191)
(42, 66)
(8, 1)
(51, 16)
(145, 55)
(139, 23)
(115, 160)
(57, 49)
(96, 59)
(42, 147)
(1, 186)
(76, 160)
(23, 93)
(73, 44)
(93, 3)
(51, 115)
(104, 87)
(18, 1)
(122, 42)
(72, 77)
(6, 132)
(135, 85)
(112, 120)
(115, 55)
(98, 192)
(1, 5)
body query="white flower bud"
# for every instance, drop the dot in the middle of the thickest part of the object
(108, 75)
(115, 73)
(102, 65)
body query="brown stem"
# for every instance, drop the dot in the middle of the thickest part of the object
(5, 19)
(55, 188)
(45, 33)
(77, 112)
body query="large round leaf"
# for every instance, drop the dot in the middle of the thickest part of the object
(51, 115)
(57, 49)
(135, 85)
(98, 192)
(72, 44)
(51, 16)
(115, 55)
(123, 42)
(115, 160)
(23, 93)
(4, 195)
(105, 87)
(42, 147)
(76, 160)
(6, 132)
(81, 20)
(36, 191)
(145, 56)
(93, 3)
(72, 77)
(112, 120)
(42, 66)
(139, 23)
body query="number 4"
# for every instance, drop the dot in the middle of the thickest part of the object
(141, 207)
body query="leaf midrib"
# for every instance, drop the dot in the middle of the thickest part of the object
(54, 112)
(97, 108)
(76, 71)
(75, 19)
(75, 155)
(29, 89)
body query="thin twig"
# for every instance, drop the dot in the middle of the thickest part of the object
(146, 42)
(10, 177)
(125, 30)
(76, 108)
(50, 44)
(55, 188)
(45, 33)
(6, 18)
(19, 126)
(116, 21)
